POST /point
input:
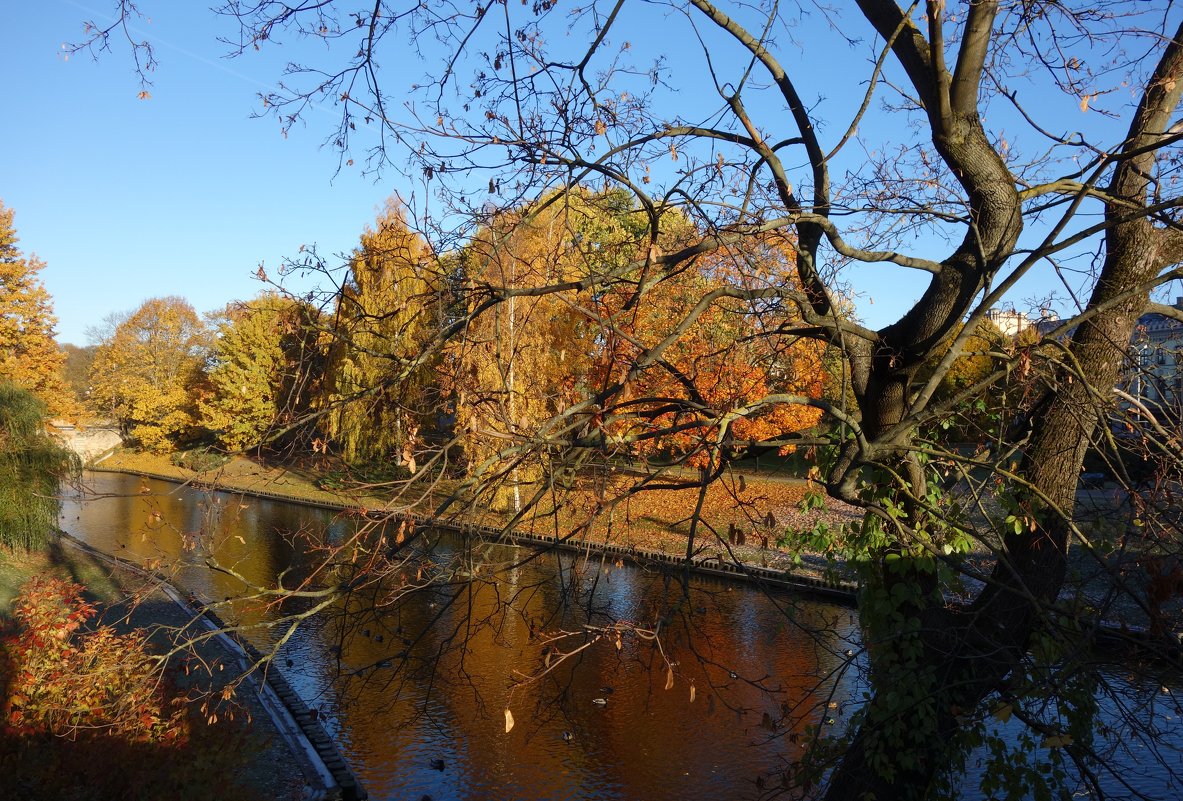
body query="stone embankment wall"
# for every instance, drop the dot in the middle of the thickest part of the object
(90, 443)
(329, 777)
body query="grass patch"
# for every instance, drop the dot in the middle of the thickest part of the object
(200, 460)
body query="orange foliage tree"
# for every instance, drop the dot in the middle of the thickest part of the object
(89, 713)
(728, 374)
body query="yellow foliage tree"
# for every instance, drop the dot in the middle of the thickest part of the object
(148, 373)
(29, 356)
(981, 354)
(522, 362)
(379, 389)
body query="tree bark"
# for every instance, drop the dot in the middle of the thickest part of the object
(973, 650)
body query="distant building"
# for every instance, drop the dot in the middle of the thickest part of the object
(1010, 322)
(1156, 369)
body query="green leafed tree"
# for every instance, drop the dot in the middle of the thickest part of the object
(380, 398)
(79, 360)
(31, 467)
(29, 356)
(266, 366)
(148, 373)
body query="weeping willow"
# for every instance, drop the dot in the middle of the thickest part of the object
(31, 467)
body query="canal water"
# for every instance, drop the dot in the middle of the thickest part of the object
(414, 684)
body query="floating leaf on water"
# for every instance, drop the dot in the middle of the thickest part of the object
(508, 720)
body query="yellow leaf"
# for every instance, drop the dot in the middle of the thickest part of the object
(508, 720)
(1003, 712)
(692, 693)
(1084, 102)
(669, 678)
(1057, 740)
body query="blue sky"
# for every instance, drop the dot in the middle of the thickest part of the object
(185, 194)
(182, 194)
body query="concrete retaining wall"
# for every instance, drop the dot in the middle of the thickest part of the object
(89, 443)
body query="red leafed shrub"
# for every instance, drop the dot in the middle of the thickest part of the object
(88, 714)
(68, 682)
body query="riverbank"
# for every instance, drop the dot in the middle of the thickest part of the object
(229, 758)
(742, 515)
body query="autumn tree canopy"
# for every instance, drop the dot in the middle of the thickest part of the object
(959, 147)
(29, 356)
(522, 362)
(380, 398)
(265, 370)
(146, 374)
(731, 358)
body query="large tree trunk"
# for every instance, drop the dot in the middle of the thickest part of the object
(967, 654)
(953, 660)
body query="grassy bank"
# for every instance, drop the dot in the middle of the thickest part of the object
(761, 507)
(741, 516)
(59, 561)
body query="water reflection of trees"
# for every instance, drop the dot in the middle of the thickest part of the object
(421, 665)
(445, 661)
